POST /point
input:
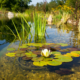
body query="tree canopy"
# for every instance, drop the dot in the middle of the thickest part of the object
(14, 4)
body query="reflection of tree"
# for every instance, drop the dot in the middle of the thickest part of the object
(5, 33)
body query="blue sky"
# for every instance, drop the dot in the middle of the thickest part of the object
(35, 1)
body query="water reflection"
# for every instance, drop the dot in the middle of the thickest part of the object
(18, 69)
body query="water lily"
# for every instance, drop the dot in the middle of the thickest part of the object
(45, 53)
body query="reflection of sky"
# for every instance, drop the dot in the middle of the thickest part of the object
(3, 44)
(56, 37)
(35, 1)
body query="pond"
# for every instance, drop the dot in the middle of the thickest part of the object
(16, 68)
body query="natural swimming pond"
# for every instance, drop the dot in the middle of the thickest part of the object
(18, 68)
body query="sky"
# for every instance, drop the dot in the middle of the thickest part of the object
(35, 1)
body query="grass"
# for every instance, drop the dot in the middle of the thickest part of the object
(39, 25)
(25, 32)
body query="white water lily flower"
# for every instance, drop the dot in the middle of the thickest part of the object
(45, 53)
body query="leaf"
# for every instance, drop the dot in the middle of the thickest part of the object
(41, 63)
(47, 59)
(11, 54)
(54, 63)
(37, 59)
(30, 54)
(64, 50)
(78, 52)
(23, 46)
(11, 49)
(63, 58)
(56, 53)
(62, 44)
(19, 54)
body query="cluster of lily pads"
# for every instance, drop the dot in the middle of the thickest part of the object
(53, 57)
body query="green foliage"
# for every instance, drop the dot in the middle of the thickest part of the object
(55, 59)
(39, 25)
(15, 5)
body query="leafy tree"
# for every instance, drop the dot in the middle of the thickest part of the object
(14, 4)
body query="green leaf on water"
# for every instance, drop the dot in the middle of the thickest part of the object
(19, 54)
(11, 49)
(23, 46)
(62, 44)
(56, 53)
(30, 54)
(78, 52)
(47, 59)
(10, 54)
(63, 58)
(41, 63)
(54, 63)
(37, 59)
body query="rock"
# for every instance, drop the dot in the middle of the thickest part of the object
(10, 15)
(49, 19)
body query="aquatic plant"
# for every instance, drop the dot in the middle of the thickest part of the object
(39, 25)
(45, 53)
(55, 59)
(25, 32)
(79, 25)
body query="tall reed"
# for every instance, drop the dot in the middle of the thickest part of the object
(25, 32)
(39, 25)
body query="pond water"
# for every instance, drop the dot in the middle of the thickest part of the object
(12, 68)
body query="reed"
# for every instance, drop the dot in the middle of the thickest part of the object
(25, 32)
(79, 26)
(39, 25)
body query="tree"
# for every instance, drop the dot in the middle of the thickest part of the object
(14, 4)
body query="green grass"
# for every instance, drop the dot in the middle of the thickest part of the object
(39, 25)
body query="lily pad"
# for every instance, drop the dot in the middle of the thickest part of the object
(23, 46)
(78, 52)
(47, 59)
(62, 58)
(62, 44)
(10, 54)
(72, 54)
(73, 49)
(30, 54)
(41, 63)
(19, 54)
(37, 59)
(11, 49)
(64, 50)
(54, 63)
(56, 53)
(37, 52)
(26, 58)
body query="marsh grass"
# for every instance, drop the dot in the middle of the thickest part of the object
(64, 18)
(25, 34)
(39, 25)
(79, 26)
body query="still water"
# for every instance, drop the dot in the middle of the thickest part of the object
(12, 68)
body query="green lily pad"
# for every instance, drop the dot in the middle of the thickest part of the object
(41, 63)
(31, 48)
(54, 63)
(56, 53)
(19, 54)
(62, 44)
(37, 59)
(11, 49)
(23, 46)
(47, 59)
(64, 50)
(30, 54)
(10, 54)
(62, 58)
(78, 52)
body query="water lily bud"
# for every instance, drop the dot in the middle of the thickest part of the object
(45, 53)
